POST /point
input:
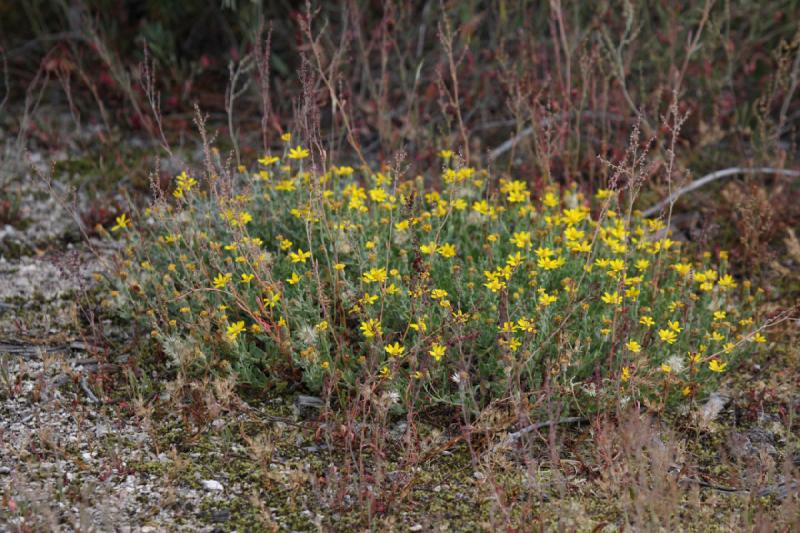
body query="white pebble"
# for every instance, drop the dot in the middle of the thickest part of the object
(211, 484)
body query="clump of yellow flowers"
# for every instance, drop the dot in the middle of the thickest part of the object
(357, 275)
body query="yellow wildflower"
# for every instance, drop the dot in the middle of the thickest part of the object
(447, 250)
(419, 325)
(494, 284)
(221, 280)
(234, 330)
(298, 152)
(612, 298)
(716, 366)
(377, 275)
(437, 351)
(370, 328)
(726, 282)
(667, 335)
(122, 222)
(269, 159)
(428, 248)
(546, 299)
(368, 299)
(521, 239)
(395, 350)
(438, 293)
(633, 346)
(300, 256)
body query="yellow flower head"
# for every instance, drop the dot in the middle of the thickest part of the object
(299, 256)
(547, 299)
(494, 284)
(436, 294)
(234, 330)
(269, 159)
(370, 328)
(298, 152)
(521, 239)
(726, 282)
(667, 335)
(550, 200)
(395, 350)
(122, 222)
(612, 298)
(716, 366)
(447, 250)
(221, 280)
(376, 275)
(633, 346)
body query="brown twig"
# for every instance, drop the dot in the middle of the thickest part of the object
(708, 178)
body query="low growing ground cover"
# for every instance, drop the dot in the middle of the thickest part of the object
(457, 294)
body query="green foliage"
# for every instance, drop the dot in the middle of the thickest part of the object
(462, 295)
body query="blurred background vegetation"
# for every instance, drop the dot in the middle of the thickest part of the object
(546, 90)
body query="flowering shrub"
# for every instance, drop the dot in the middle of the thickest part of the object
(357, 277)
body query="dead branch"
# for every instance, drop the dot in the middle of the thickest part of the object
(512, 142)
(708, 178)
(512, 438)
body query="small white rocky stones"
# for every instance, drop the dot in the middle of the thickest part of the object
(212, 485)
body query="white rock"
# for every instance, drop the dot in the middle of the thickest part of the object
(211, 484)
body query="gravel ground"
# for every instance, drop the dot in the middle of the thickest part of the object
(65, 455)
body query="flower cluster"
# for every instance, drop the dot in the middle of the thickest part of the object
(358, 274)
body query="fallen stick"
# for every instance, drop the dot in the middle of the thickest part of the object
(29, 351)
(517, 435)
(89, 394)
(547, 121)
(708, 178)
